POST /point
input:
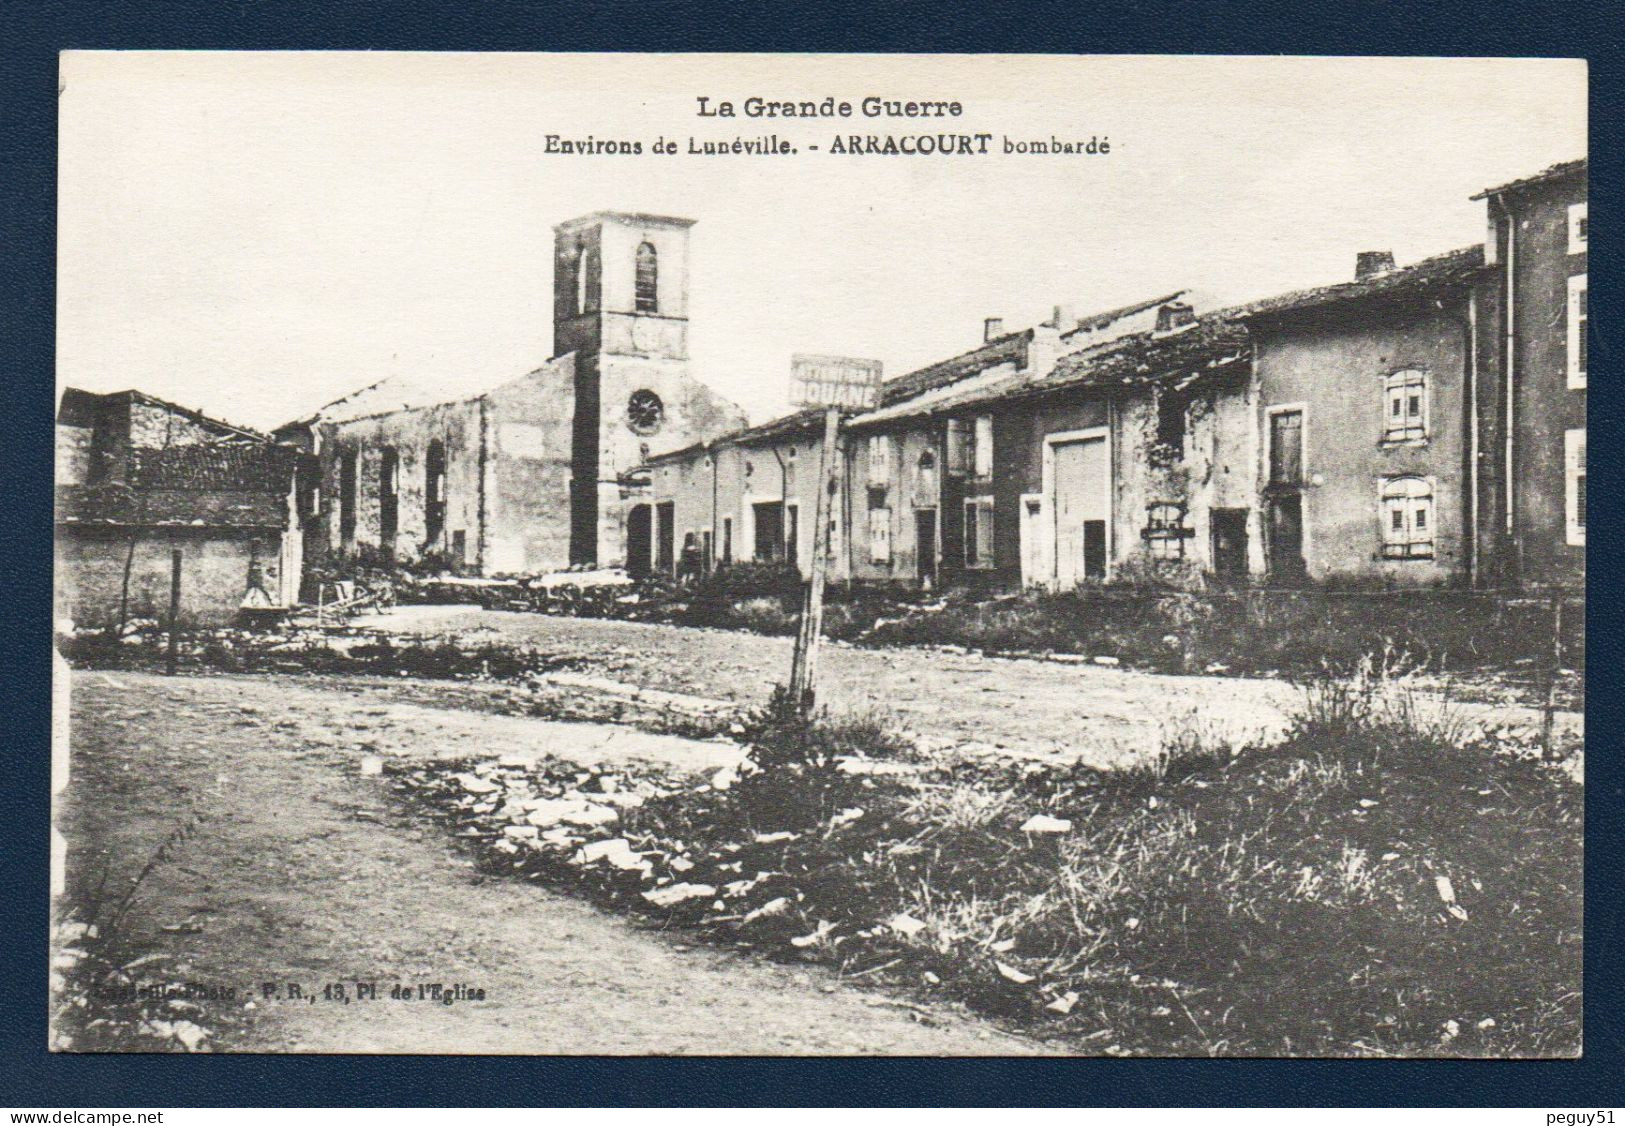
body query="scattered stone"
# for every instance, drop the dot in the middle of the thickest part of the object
(521, 832)
(1063, 1004)
(678, 893)
(1004, 946)
(1043, 823)
(818, 934)
(1108, 662)
(1010, 973)
(474, 784)
(371, 764)
(906, 925)
(845, 817)
(775, 838)
(769, 909)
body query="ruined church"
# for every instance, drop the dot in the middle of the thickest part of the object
(530, 473)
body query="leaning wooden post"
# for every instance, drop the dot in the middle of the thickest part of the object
(170, 662)
(804, 663)
(1549, 706)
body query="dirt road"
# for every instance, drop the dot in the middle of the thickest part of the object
(303, 871)
(1094, 713)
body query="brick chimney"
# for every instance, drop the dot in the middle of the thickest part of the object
(992, 329)
(1174, 315)
(1063, 319)
(1370, 263)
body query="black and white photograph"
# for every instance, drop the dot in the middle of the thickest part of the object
(819, 555)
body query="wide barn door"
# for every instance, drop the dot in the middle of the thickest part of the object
(1080, 511)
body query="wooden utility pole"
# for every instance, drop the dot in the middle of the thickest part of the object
(171, 661)
(804, 663)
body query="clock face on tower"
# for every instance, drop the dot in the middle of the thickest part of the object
(645, 412)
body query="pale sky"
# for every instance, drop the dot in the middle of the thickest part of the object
(257, 234)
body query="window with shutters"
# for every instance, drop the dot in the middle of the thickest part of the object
(1407, 518)
(647, 282)
(1405, 406)
(982, 447)
(1574, 486)
(1578, 233)
(1577, 332)
(879, 459)
(880, 535)
(979, 532)
(961, 447)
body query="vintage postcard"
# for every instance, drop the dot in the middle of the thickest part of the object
(820, 555)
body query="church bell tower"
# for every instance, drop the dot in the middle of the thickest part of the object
(620, 304)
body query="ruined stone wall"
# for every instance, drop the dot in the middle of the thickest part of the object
(1213, 468)
(215, 569)
(529, 436)
(409, 433)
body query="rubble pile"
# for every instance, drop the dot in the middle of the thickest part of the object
(680, 850)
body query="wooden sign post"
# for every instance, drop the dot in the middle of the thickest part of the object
(831, 382)
(804, 663)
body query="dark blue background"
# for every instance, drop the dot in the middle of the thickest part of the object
(32, 33)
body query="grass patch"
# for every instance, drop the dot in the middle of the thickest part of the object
(1367, 887)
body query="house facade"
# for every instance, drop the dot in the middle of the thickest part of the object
(1415, 426)
(1366, 416)
(1534, 413)
(140, 481)
(527, 474)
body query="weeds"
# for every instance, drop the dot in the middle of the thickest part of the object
(1363, 888)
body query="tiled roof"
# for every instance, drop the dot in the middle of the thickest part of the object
(233, 485)
(1094, 322)
(1214, 345)
(809, 421)
(251, 468)
(1427, 276)
(1555, 172)
(999, 350)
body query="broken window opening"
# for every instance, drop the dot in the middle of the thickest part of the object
(1165, 532)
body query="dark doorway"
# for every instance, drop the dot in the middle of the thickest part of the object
(1094, 549)
(1229, 542)
(347, 482)
(389, 499)
(769, 545)
(792, 535)
(925, 545)
(666, 537)
(1286, 536)
(637, 541)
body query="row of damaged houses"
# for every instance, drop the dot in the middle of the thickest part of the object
(1413, 426)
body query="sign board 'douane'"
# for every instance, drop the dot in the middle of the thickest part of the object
(834, 381)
